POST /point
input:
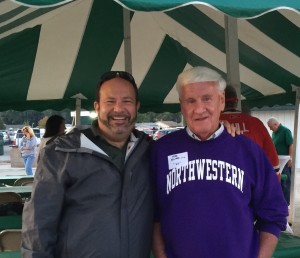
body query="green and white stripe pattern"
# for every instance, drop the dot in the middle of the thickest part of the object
(49, 54)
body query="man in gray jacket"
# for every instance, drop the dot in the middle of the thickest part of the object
(91, 195)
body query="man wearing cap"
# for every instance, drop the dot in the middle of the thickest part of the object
(249, 126)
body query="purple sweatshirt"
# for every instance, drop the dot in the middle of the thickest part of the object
(213, 197)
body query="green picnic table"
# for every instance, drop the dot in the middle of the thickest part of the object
(10, 255)
(10, 222)
(16, 189)
(10, 180)
(288, 247)
(24, 191)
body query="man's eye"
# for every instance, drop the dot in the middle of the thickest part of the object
(189, 101)
(205, 99)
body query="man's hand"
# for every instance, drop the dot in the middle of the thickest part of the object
(158, 244)
(231, 129)
(289, 163)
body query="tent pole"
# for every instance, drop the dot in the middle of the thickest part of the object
(78, 98)
(295, 177)
(77, 111)
(232, 55)
(127, 40)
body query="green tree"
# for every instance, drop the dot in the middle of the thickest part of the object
(153, 117)
(2, 125)
(42, 122)
(31, 117)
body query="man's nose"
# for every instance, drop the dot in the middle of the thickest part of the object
(199, 106)
(118, 106)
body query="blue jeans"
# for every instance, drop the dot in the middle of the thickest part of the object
(28, 162)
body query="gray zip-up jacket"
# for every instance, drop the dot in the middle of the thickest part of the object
(83, 206)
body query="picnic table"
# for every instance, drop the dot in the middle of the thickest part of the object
(10, 180)
(24, 191)
(10, 254)
(16, 189)
(10, 222)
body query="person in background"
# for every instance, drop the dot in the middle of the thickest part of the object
(55, 126)
(27, 146)
(249, 126)
(216, 195)
(283, 141)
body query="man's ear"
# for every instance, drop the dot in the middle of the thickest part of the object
(222, 97)
(96, 106)
(138, 104)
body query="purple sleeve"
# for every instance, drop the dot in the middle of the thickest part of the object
(270, 207)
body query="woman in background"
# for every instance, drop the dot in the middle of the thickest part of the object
(27, 147)
(55, 126)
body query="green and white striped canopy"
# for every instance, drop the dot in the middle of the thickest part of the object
(236, 8)
(48, 55)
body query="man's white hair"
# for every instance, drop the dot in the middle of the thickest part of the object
(272, 121)
(200, 74)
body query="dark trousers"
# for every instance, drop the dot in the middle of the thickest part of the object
(286, 183)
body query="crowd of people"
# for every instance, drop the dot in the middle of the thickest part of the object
(111, 191)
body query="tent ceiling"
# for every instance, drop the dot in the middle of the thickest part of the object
(235, 8)
(50, 54)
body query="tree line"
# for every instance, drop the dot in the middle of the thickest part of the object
(38, 119)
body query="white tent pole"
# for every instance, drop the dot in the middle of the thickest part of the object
(77, 111)
(127, 40)
(78, 98)
(232, 55)
(295, 177)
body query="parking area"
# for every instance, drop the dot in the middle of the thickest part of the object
(5, 165)
(6, 156)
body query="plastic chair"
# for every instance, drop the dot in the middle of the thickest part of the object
(27, 183)
(11, 203)
(23, 181)
(10, 240)
(10, 197)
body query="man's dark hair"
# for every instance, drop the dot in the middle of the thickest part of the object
(52, 126)
(114, 74)
(231, 99)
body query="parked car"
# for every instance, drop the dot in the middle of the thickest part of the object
(11, 136)
(149, 132)
(19, 135)
(5, 136)
(160, 133)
